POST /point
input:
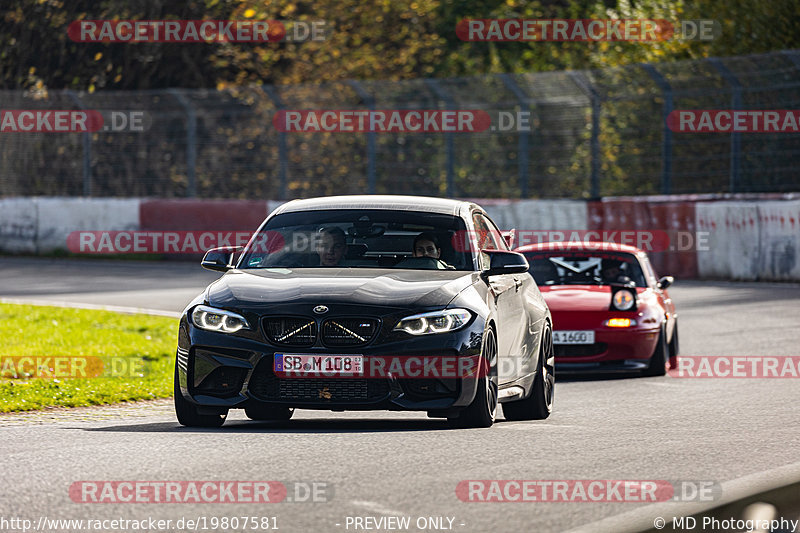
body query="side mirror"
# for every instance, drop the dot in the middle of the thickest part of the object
(509, 236)
(665, 282)
(220, 259)
(504, 262)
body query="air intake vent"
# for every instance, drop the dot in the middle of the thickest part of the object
(265, 385)
(291, 331)
(348, 331)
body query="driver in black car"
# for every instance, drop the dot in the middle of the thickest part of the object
(427, 245)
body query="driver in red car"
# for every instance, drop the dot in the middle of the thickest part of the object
(611, 271)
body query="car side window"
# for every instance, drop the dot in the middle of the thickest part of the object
(652, 279)
(489, 237)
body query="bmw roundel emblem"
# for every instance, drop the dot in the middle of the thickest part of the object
(321, 309)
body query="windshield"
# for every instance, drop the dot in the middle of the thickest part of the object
(585, 268)
(358, 238)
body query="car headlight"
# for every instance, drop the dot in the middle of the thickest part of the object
(212, 319)
(620, 322)
(434, 322)
(623, 300)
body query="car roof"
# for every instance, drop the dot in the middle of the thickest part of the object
(589, 246)
(427, 204)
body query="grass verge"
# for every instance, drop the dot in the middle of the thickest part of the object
(132, 357)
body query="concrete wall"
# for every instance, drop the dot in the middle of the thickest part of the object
(42, 225)
(18, 225)
(58, 217)
(750, 240)
(535, 215)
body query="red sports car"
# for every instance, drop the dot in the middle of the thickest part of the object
(610, 311)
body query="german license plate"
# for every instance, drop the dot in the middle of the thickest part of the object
(291, 364)
(573, 337)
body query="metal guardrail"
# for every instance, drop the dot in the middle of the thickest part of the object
(776, 506)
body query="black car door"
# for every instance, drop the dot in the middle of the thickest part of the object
(504, 291)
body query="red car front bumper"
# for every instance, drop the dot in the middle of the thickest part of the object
(611, 345)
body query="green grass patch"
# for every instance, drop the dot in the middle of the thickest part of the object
(137, 354)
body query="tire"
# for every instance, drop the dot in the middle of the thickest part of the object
(483, 409)
(539, 403)
(658, 361)
(187, 411)
(269, 413)
(674, 348)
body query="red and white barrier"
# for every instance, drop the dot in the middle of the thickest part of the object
(747, 238)
(197, 215)
(676, 218)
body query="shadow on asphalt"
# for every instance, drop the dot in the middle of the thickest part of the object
(563, 377)
(293, 426)
(315, 425)
(322, 425)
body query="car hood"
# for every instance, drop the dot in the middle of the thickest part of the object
(578, 297)
(394, 288)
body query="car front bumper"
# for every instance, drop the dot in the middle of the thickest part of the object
(221, 371)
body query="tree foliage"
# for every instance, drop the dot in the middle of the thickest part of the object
(377, 39)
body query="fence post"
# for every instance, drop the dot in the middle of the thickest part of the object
(666, 146)
(585, 85)
(283, 157)
(736, 137)
(523, 135)
(87, 148)
(448, 102)
(369, 100)
(191, 142)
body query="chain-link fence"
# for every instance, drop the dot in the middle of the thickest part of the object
(593, 133)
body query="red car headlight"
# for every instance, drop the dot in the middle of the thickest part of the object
(620, 322)
(623, 300)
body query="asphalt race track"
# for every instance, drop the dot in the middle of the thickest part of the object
(733, 432)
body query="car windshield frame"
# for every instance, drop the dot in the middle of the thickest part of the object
(374, 238)
(565, 267)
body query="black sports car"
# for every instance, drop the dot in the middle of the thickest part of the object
(368, 302)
